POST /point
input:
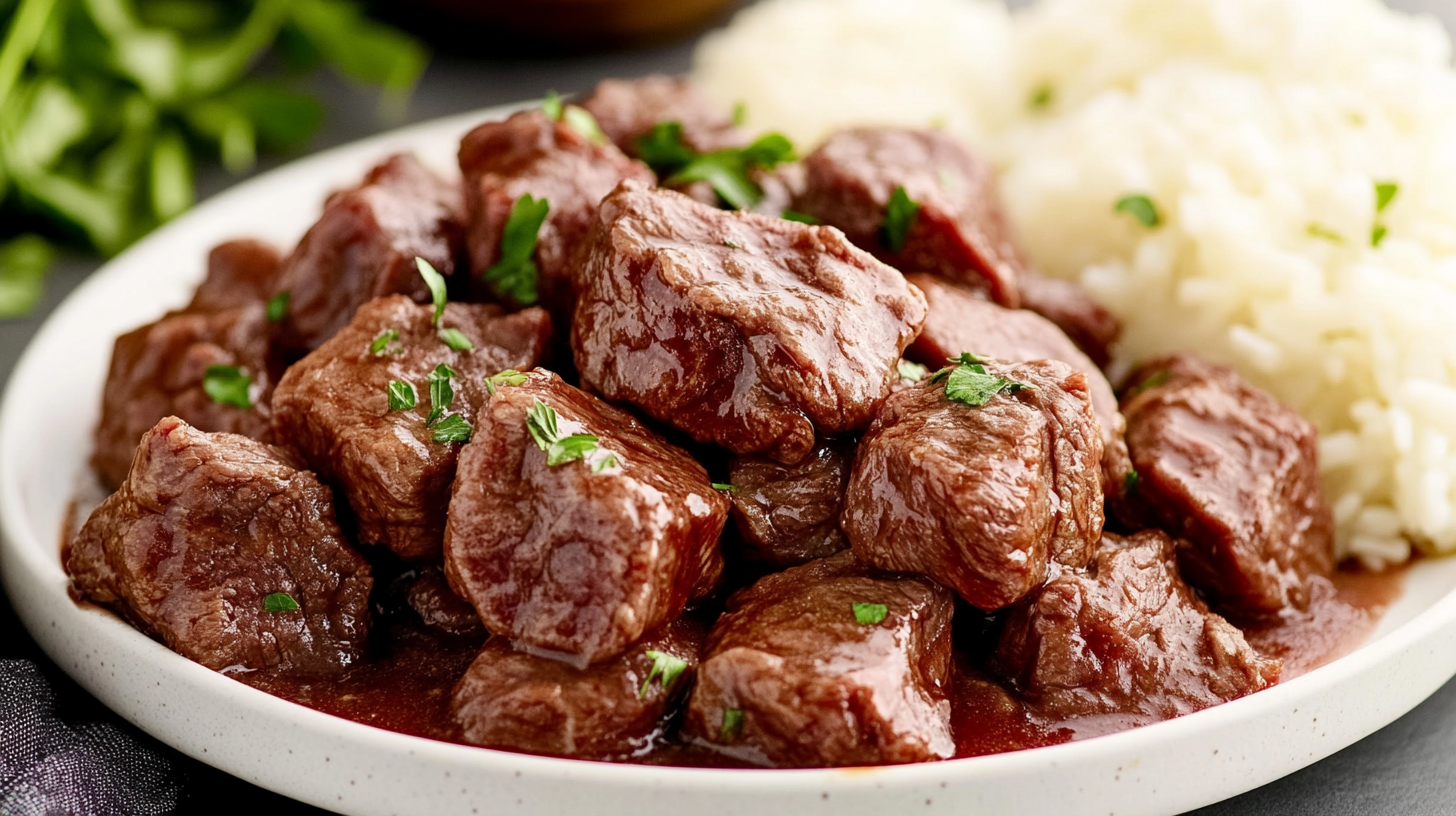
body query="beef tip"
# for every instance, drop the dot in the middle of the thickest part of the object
(959, 233)
(530, 154)
(1126, 637)
(980, 498)
(960, 321)
(781, 185)
(161, 370)
(1068, 305)
(1233, 474)
(364, 247)
(334, 406)
(789, 514)
(828, 664)
(612, 710)
(239, 273)
(204, 540)
(739, 329)
(430, 596)
(627, 109)
(580, 558)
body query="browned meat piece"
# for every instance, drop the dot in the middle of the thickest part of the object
(1233, 474)
(1068, 305)
(980, 498)
(828, 664)
(739, 329)
(581, 557)
(364, 247)
(160, 370)
(629, 108)
(530, 154)
(226, 551)
(959, 321)
(334, 407)
(612, 710)
(960, 232)
(780, 185)
(239, 273)
(430, 596)
(1125, 637)
(789, 514)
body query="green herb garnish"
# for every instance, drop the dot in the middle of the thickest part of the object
(727, 488)
(662, 148)
(277, 307)
(732, 244)
(726, 171)
(508, 377)
(452, 428)
(514, 273)
(732, 727)
(456, 339)
(580, 120)
(1141, 208)
(541, 423)
(552, 106)
(1316, 230)
(608, 461)
(570, 449)
(800, 217)
(911, 372)
(227, 385)
(1130, 482)
(740, 114)
(436, 282)
(1042, 97)
(664, 665)
(279, 602)
(1152, 381)
(1385, 192)
(402, 395)
(1377, 235)
(441, 393)
(383, 343)
(967, 381)
(900, 215)
(869, 614)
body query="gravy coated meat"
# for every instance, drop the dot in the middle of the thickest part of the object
(627, 109)
(789, 514)
(239, 273)
(335, 407)
(744, 330)
(1234, 475)
(1068, 305)
(430, 596)
(828, 664)
(1126, 637)
(204, 539)
(980, 498)
(582, 557)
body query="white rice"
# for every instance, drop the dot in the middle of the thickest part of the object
(1259, 127)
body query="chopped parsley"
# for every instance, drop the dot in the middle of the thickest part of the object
(402, 395)
(508, 377)
(577, 118)
(911, 372)
(1130, 482)
(726, 171)
(740, 114)
(570, 449)
(280, 602)
(665, 666)
(1377, 234)
(456, 339)
(386, 343)
(1385, 192)
(967, 381)
(1141, 208)
(732, 244)
(514, 273)
(441, 393)
(900, 214)
(277, 307)
(801, 217)
(227, 385)
(1042, 97)
(436, 282)
(452, 428)
(541, 423)
(727, 488)
(663, 149)
(552, 106)
(732, 727)
(1317, 230)
(869, 614)
(608, 461)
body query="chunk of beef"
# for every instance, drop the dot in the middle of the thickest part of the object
(803, 670)
(160, 370)
(530, 154)
(583, 557)
(959, 321)
(1233, 474)
(1126, 637)
(430, 596)
(239, 273)
(789, 514)
(612, 710)
(627, 109)
(736, 328)
(1068, 305)
(334, 407)
(364, 247)
(960, 232)
(203, 532)
(981, 498)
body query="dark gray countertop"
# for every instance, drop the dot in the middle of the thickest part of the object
(1404, 769)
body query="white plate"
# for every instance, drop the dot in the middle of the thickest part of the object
(45, 437)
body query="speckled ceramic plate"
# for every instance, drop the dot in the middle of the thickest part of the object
(45, 437)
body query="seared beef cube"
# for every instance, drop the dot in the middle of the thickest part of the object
(628, 109)
(364, 247)
(980, 498)
(1126, 636)
(1233, 474)
(739, 329)
(1068, 305)
(828, 664)
(528, 154)
(229, 553)
(789, 514)
(578, 556)
(334, 406)
(959, 233)
(239, 273)
(430, 596)
(960, 321)
(612, 710)
(161, 370)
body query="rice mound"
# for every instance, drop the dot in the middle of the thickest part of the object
(1259, 128)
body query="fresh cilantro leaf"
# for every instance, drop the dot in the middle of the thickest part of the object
(514, 273)
(1130, 482)
(801, 217)
(456, 339)
(769, 151)
(384, 343)
(402, 395)
(508, 377)
(441, 393)
(570, 448)
(1385, 192)
(608, 461)
(551, 105)
(662, 148)
(911, 372)
(726, 171)
(1141, 208)
(227, 385)
(727, 488)
(869, 614)
(732, 727)
(900, 215)
(279, 602)
(436, 282)
(277, 307)
(665, 666)
(580, 120)
(976, 388)
(453, 428)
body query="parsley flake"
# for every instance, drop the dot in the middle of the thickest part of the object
(436, 282)
(441, 393)
(456, 339)
(280, 602)
(800, 217)
(869, 614)
(1141, 208)
(541, 423)
(727, 488)
(732, 727)
(732, 244)
(508, 377)
(402, 395)
(227, 385)
(900, 215)
(277, 307)
(911, 372)
(1130, 482)
(551, 105)
(570, 449)
(740, 114)
(665, 666)
(1317, 230)
(662, 148)
(1385, 192)
(1377, 235)
(452, 428)
(514, 273)
(386, 343)
(608, 461)
(1042, 97)
(726, 171)
(580, 120)
(967, 381)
